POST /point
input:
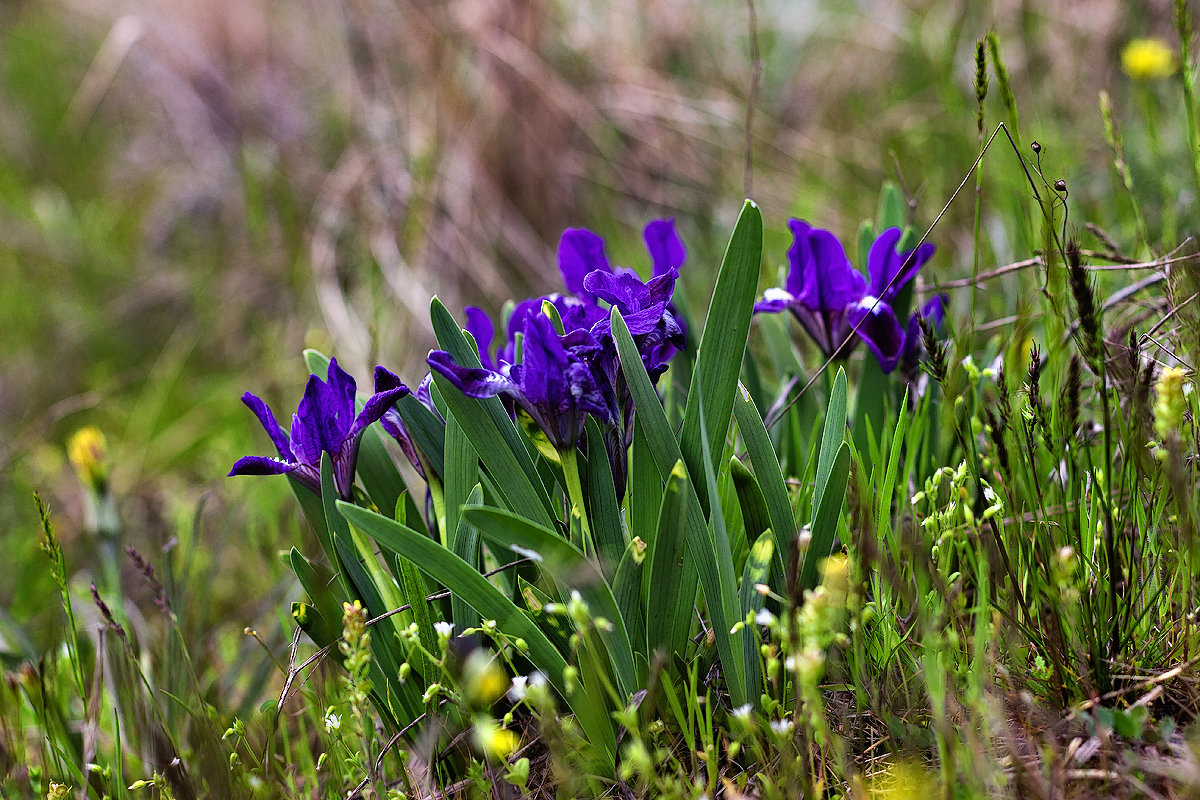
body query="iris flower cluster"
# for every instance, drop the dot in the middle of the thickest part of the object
(564, 375)
(558, 363)
(554, 376)
(834, 302)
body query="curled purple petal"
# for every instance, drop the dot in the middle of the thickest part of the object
(393, 425)
(889, 270)
(389, 389)
(471, 381)
(261, 465)
(263, 412)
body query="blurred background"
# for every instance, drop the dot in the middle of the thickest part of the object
(193, 192)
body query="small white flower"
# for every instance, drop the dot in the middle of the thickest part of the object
(764, 617)
(782, 726)
(333, 721)
(743, 712)
(444, 629)
(517, 691)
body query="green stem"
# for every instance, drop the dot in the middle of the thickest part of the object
(570, 468)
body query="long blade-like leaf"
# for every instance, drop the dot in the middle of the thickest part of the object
(758, 566)
(825, 521)
(719, 596)
(722, 346)
(831, 437)
(664, 574)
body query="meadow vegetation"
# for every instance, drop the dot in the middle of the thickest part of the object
(881, 482)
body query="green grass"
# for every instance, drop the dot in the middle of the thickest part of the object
(1011, 609)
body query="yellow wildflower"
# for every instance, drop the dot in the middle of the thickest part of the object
(495, 741)
(88, 452)
(1145, 59)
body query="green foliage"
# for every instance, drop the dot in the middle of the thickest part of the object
(810, 565)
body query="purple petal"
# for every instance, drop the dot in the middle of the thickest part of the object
(386, 380)
(877, 326)
(316, 426)
(521, 313)
(662, 286)
(261, 465)
(544, 367)
(278, 437)
(625, 289)
(890, 270)
(800, 262)
(340, 391)
(393, 424)
(576, 314)
(424, 395)
(833, 283)
(479, 325)
(388, 389)
(470, 381)
(664, 244)
(579, 252)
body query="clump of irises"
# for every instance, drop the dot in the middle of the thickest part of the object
(557, 363)
(556, 366)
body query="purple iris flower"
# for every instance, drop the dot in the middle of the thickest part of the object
(581, 258)
(645, 307)
(831, 299)
(324, 422)
(557, 383)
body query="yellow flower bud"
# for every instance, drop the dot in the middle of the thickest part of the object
(1144, 59)
(88, 452)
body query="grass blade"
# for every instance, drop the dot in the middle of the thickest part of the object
(825, 520)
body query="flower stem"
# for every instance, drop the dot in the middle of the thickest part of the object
(570, 468)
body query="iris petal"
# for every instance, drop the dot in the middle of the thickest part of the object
(263, 412)
(260, 465)
(580, 251)
(664, 245)
(471, 381)
(878, 327)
